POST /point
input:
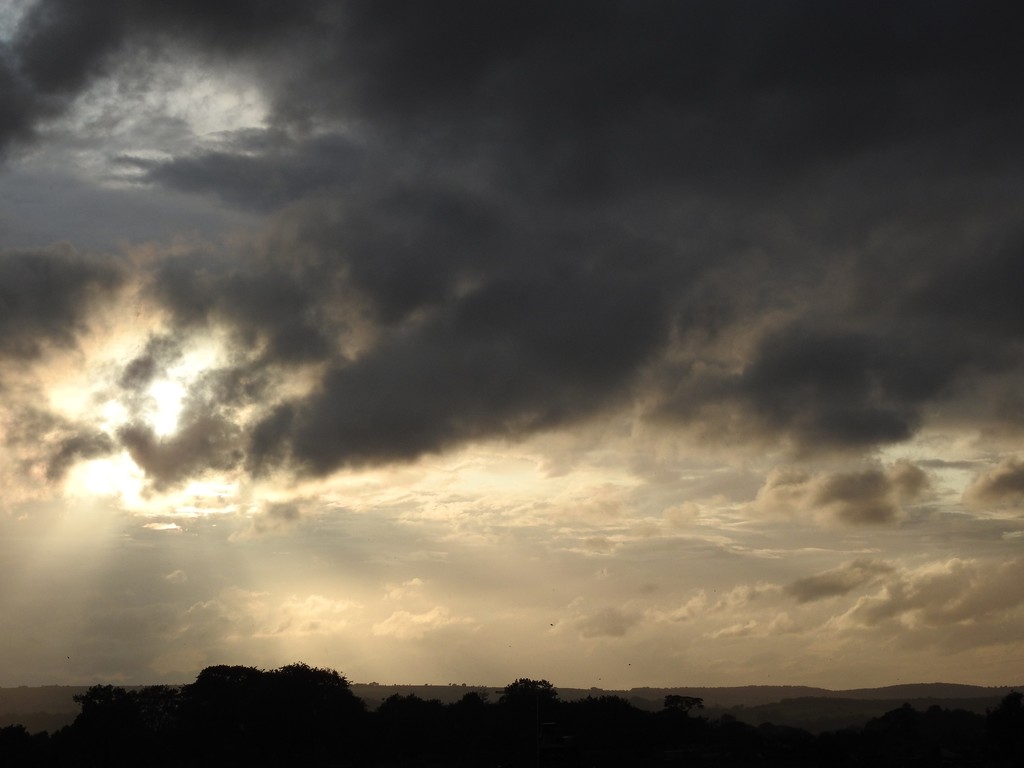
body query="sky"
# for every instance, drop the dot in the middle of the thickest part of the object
(614, 343)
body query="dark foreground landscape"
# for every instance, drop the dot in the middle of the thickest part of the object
(306, 716)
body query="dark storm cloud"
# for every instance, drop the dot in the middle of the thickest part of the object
(271, 306)
(980, 292)
(61, 45)
(59, 48)
(262, 173)
(45, 297)
(608, 93)
(521, 325)
(602, 95)
(513, 356)
(815, 385)
(824, 386)
(16, 107)
(526, 204)
(838, 581)
(390, 253)
(814, 388)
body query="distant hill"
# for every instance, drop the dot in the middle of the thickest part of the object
(812, 709)
(756, 695)
(747, 695)
(821, 709)
(926, 690)
(817, 714)
(48, 708)
(43, 707)
(39, 708)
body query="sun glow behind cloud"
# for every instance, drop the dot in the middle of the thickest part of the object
(93, 397)
(116, 477)
(167, 396)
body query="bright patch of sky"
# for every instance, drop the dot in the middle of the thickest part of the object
(11, 12)
(180, 109)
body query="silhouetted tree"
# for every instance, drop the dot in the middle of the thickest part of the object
(18, 749)
(524, 705)
(302, 715)
(525, 691)
(472, 726)
(312, 709)
(242, 715)
(608, 729)
(217, 713)
(409, 725)
(676, 727)
(471, 702)
(1005, 727)
(907, 736)
(735, 740)
(108, 729)
(121, 727)
(157, 708)
(683, 703)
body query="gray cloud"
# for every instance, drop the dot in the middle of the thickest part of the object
(875, 496)
(77, 447)
(274, 518)
(794, 76)
(46, 445)
(838, 581)
(813, 388)
(61, 47)
(1002, 485)
(262, 170)
(945, 594)
(16, 108)
(268, 306)
(140, 372)
(204, 442)
(608, 622)
(514, 356)
(871, 496)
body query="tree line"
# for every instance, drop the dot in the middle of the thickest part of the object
(307, 716)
